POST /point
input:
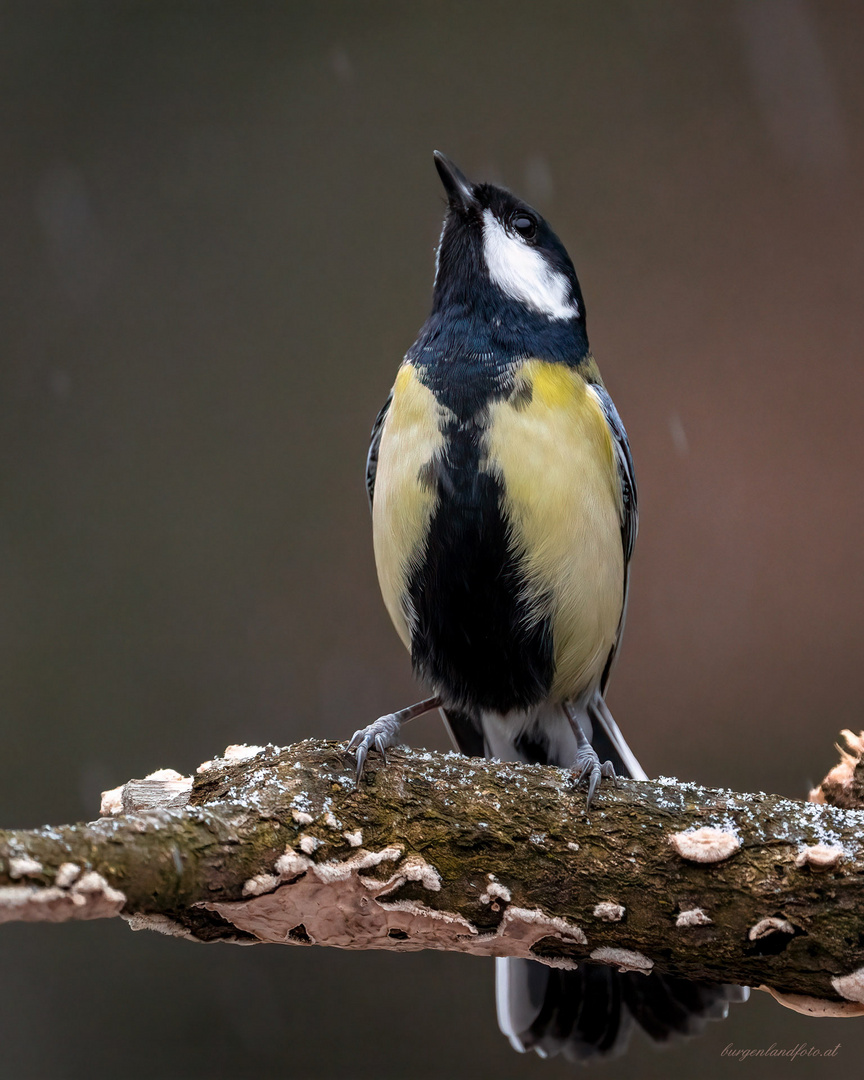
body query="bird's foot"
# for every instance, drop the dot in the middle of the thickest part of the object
(589, 767)
(381, 734)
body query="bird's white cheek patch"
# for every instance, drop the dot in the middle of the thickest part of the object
(523, 273)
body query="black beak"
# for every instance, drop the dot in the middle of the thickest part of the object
(460, 191)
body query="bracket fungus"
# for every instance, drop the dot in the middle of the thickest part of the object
(705, 845)
(819, 857)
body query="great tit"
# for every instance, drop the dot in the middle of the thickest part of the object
(504, 517)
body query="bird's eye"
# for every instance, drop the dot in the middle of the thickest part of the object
(525, 224)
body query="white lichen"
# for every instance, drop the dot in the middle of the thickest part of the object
(819, 856)
(330, 821)
(766, 927)
(693, 917)
(572, 845)
(705, 845)
(850, 986)
(623, 959)
(23, 866)
(609, 911)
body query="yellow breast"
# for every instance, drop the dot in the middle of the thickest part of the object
(551, 447)
(403, 505)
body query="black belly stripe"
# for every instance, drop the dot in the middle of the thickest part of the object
(472, 639)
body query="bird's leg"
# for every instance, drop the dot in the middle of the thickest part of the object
(587, 764)
(384, 731)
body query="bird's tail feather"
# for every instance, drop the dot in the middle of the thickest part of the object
(588, 1013)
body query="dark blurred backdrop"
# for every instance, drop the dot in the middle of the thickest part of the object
(217, 225)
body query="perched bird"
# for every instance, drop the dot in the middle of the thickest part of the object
(504, 516)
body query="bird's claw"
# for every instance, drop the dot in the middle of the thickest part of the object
(381, 734)
(588, 766)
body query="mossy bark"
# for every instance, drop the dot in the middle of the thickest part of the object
(472, 822)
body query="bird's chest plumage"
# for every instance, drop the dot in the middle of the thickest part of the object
(497, 532)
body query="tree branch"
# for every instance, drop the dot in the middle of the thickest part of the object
(445, 852)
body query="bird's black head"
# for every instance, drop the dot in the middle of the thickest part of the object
(498, 262)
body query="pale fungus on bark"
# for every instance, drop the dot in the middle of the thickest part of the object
(111, 804)
(241, 752)
(693, 917)
(765, 927)
(623, 959)
(280, 845)
(235, 754)
(415, 868)
(90, 897)
(844, 784)
(705, 845)
(495, 891)
(819, 857)
(260, 883)
(23, 866)
(160, 924)
(812, 1006)
(337, 903)
(162, 789)
(850, 986)
(67, 874)
(291, 865)
(609, 911)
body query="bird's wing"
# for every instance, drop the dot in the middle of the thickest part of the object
(374, 444)
(629, 503)
(624, 460)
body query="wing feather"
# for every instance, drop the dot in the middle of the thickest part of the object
(629, 504)
(374, 445)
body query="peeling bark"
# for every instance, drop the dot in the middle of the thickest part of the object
(445, 852)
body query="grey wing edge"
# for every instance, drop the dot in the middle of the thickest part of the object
(629, 505)
(374, 445)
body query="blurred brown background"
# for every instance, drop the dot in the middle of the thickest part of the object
(217, 225)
